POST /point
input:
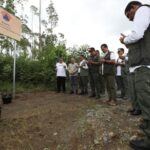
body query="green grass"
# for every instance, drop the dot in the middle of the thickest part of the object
(7, 87)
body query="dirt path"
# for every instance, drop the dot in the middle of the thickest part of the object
(50, 121)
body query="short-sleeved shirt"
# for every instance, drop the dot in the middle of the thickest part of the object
(61, 69)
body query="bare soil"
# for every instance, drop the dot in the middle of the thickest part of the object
(52, 121)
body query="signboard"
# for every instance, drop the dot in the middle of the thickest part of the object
(10, 25)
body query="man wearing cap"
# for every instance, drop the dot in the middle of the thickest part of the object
(138, 42)
(93, 65)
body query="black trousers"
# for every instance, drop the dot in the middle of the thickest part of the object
(61, 84)
(84, 84)
(121, 85)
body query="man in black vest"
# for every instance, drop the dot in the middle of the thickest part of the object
(108, 71)
(138, 42)
(93, 65)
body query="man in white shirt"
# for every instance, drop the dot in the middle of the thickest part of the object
(121, 73)
(138, 42)
(61, 75)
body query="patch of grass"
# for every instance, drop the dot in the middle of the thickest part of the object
(8, 87)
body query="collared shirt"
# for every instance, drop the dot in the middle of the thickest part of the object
(140, 24)
(118, 68)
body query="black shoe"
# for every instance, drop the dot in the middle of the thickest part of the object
(130, 110)
(143, 125)
(139, 145)
(81, 93)
(120, 96)
(71, 92)
(125, 98)
(136, 112)
(92, 95)
(97, 97)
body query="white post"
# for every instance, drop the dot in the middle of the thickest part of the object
(39, 24)
(14, 71)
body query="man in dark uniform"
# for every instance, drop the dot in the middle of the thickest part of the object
(108, 65)
(93, 65)
(138, 42)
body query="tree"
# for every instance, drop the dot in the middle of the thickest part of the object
(1, 2)
(10, 6)
(76, 51)
(52, 16)
(38, 69)
(34, 12)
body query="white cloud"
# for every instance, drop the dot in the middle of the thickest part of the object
(91, 22)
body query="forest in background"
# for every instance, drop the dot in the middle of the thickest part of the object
(37, 53)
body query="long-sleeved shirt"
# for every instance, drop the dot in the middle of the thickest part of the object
(73, 69)
(140, 24)
(83, 64)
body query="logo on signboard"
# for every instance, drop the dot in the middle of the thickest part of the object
(6, 16)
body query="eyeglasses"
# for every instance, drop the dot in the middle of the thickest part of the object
(127, 14)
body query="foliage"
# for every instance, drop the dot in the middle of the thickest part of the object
(10, 7)
(77, 51)
(34, 67)
(52, 16)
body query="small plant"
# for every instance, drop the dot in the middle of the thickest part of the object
(6, 93)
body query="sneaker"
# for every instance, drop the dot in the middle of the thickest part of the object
(140, 144)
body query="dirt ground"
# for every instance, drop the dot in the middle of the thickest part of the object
(52, 121)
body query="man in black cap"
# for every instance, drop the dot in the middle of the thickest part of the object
(93, 65)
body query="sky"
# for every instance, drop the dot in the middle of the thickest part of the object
(91, 22)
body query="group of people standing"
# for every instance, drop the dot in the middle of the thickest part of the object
(131, 71)
(101, 72)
